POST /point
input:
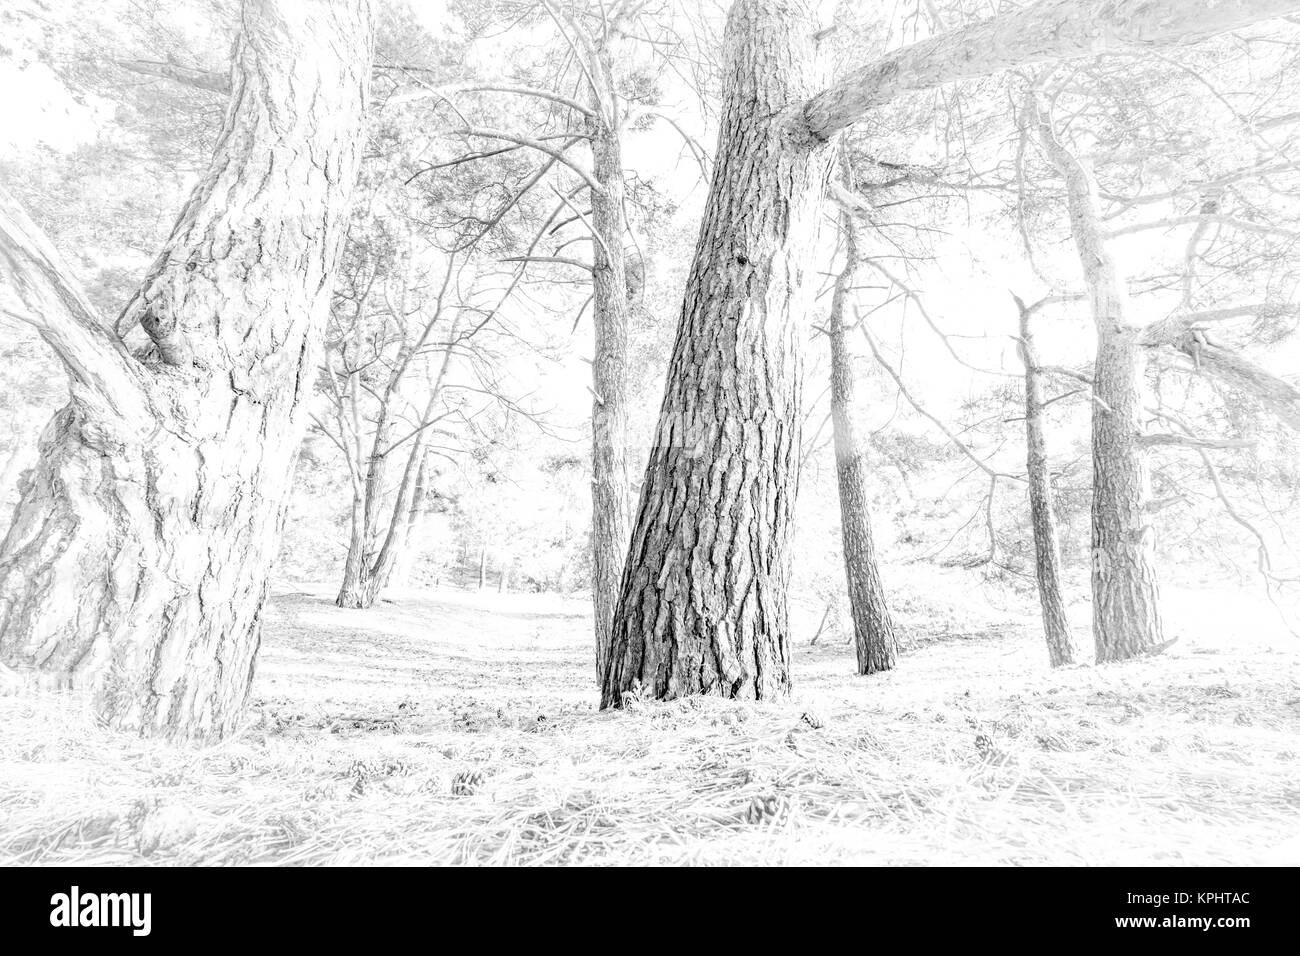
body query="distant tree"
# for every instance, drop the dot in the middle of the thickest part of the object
(1121, 166)
(136, 566)
(873, 625)
(1042, 508)
(394, 334)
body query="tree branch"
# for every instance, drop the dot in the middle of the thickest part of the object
(37, 288)
(1047, 31)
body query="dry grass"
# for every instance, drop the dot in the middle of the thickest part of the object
(458, 729)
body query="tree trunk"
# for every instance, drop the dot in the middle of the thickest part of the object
(703, 605)
(1126, 611)
(873, 626)
(1042, 510)
(355, 567)
(401, 566)
(482, 568)
(136, 566)
(610, 503)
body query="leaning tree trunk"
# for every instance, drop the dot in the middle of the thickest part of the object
(1042, 510)
(1126, 609)
(136, 566)
(609, 487)
(703, 606)
(873, 626)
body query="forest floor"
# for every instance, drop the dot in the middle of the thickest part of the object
(461, 728)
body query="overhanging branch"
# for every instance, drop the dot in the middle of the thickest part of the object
(1047, 31)
(37, 288)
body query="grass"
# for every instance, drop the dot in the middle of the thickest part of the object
(452, 728)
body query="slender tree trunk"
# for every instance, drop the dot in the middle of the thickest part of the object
(355, 567)
(401, 565)
(873, 626)
(1126, 607)
(610, 502)
(136, 565)
(703, 604)
(374, 551)
(482, 567)
(1042, 510)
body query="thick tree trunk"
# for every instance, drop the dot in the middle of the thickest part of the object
(1042, 510)
(1126, 599)
(703, 604)
(1126, 611)
(873, 626)
(136, 566)
(610, 503)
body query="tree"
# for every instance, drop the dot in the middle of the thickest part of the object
(703, 602)
(136, 565)
(1042, 509)
(873, 626)
(383, 335)
(611, 305)
(1126, 599)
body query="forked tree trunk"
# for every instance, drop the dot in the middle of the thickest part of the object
(1042, 509)
(1126, 609)
(136, 566)
(379, 536)
(873, 626)
(703, 605)
(609, 488)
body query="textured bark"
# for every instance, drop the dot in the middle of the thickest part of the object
(1042, 509)
(703, 605)
(1044, 32)
(610, 501)
(1126, 612)
(873, 626)
(136, 565)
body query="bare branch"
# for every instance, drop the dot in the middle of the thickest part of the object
(37, 288)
